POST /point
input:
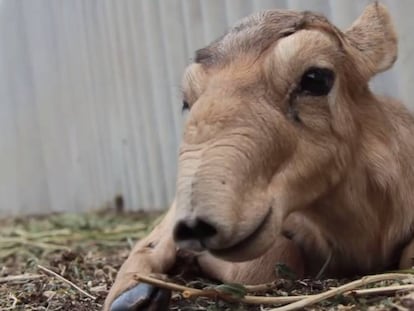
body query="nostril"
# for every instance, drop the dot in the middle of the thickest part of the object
(182, 231)
(197, 230)
(204, 230)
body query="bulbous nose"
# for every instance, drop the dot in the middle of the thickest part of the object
(193, 229)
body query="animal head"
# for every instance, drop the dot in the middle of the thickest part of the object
(273, 124)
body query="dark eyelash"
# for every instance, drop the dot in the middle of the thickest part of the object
(186, 106)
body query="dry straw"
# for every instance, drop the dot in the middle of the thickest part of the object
(291, 302)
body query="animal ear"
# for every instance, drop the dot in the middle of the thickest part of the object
(374, 37)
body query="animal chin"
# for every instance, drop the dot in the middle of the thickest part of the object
(247, 248)
(191, 245)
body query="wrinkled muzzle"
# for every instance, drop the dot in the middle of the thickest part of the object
(223, 204)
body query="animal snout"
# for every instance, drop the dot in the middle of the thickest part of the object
(196, 230)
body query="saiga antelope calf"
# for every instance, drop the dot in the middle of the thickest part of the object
(287, 156)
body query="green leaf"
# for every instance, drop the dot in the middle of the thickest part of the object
(234, 290)
(284, 272)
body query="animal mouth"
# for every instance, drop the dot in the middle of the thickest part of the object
(245, 242)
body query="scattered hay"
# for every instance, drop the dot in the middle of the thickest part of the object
(63, 262)
(85, 250)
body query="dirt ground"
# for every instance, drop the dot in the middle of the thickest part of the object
(88, 249)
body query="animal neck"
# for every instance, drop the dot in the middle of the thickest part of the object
(374, 199)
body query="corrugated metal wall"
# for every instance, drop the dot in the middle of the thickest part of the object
(90, 93)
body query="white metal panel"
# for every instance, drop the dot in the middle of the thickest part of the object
(90, 98)
(214, 19)
(270, 4)
(237, 9)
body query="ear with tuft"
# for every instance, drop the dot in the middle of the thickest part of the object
(374, 37)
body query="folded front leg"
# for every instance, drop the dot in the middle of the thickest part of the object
(256, 271)
(156, 253)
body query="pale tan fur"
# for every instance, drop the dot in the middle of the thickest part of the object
(338, 184)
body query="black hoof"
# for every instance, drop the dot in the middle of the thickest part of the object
(142, 297)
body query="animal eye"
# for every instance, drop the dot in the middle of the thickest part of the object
(186, 106)
(317, 81)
